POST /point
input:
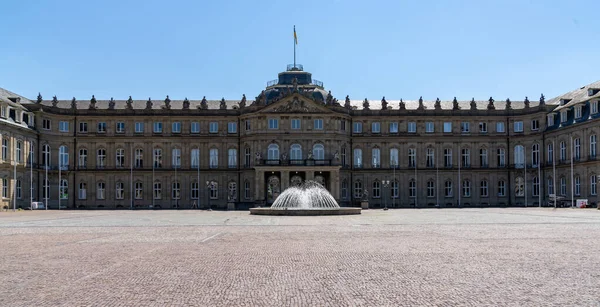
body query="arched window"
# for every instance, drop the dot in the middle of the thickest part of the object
(483, 188)
(195, 157)
(501, 157)
(535, 155)
(157, 190)
(46, 155)
(19, 152)
(344, 156)
(214, 158)
(63, 189)
(214, 190)
(100, 190)
(273, 152)
(247, 157)
(19, 189)
(577, 149)
(466, 157)
(550, 153)
(412, 157)
(139, 191)
(247, 189)
(412, 188)
(448, 188)
(175, 190)
(594, 185)
(563, 151)
(5, 187)
(394, 157)
(466, 188)
(563, 186)
(483, 157)
(536, 186)
(550, 185)
(63, 152)
(344, 189)
(447, 157)
(295, 152)
(82, 190)
(176, 157)
(376, 191)
(157, 158)
(120, 157)
(139, 158)
(101, 158)
(318, 152)
(501, 188)
(120, 190)
(519, 156)
(195, 190)
(376, 156)
(577, 186)
(357, 189)
(395, 188)
(430, 188)
(232, 158)
(82, 161)
(593, 145)
(430, 157)
(358, 157)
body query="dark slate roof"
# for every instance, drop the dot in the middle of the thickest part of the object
(6, 94)
(141, 104)
(577, 96)
(499, 104)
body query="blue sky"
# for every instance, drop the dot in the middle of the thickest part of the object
(365, 49)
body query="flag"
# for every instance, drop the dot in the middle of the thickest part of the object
(295, 36)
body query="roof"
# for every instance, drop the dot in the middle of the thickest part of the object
(577, 96)
(445, 104)
(141, 104)
(6, 94)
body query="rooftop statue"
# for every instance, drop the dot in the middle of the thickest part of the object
(39, 98)
(508, 104)
(129, 103)
(295, 85)
(111, 104)
(526, 102)
(366, 104)
(438, 104)
(243, 101)
(93, 103)
(542, 100)
(421, 106)
(223, 105)
(402, 105)
(329, 99)
(186, 104)
(455, 105)
(73, 103)
(384, 104)
(473, 104)
(491, 104)
(167, 103)
(149, 104)
(203, 104)
(261, 99)
(54, 101)
(347, 104)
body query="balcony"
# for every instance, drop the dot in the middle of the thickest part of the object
(304, 162)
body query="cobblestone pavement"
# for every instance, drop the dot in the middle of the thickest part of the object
(475, 257)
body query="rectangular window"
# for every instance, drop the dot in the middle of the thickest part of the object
(550, 120)
(213, 127)
(535, 125)
(157, 127)
(376, 127)
(483, 128)
(501, 188)
(343, 125)
(412, 127)
(273, 123)
(214, 158)
(139, 127)
(176, 158)
(594, 107)
(563, 116)
(577, 111)
(120, 127)
(120, 190)
(46, 124)
(357, 127)
(429, 127)
(138, 191)
(465, 127)
(318, 124)
(247, 189)
(195, 159)
(232, 158)
(394, 127)
(295, 124)
(248, 125)
(4, 188)
(176, 127)
(83, 127)
(195, 190)
(447, 127)
(101, 127)
(63, 126)
(3, 112)
(195, 127)
(518, 126)
(231, 127)
(500, 127)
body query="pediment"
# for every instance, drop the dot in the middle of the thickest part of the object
(295, 104)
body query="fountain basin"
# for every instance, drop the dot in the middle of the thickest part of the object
(305, 212)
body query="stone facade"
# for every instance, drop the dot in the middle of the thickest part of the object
(145, 153)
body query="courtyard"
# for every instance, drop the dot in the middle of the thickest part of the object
(494, 256)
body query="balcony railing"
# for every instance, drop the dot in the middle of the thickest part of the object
(272, 82)
(304, 162)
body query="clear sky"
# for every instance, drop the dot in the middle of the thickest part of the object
(365, 49)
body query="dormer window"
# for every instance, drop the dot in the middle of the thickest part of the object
(591, 92)
(550, 120)
(3, 112)
(593, 107)
(563, 116)
(564, 101)
(577, 111)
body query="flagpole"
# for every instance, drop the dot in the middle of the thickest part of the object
(46, 184)
(459, 183)
(437, 178)
(15, 185)
(295, 42)
(59, 177)
(131, 177)
(416, 190)
(525, 173)
(31, 175)
(153, 165)
(198, 165)
(572, 188)
(554, 173)
(539, 181)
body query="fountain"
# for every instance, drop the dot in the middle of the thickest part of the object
(308, 198)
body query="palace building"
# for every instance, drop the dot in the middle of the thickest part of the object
(241, 153)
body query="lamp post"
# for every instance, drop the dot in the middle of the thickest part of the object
(386, 185)
(209, 186)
